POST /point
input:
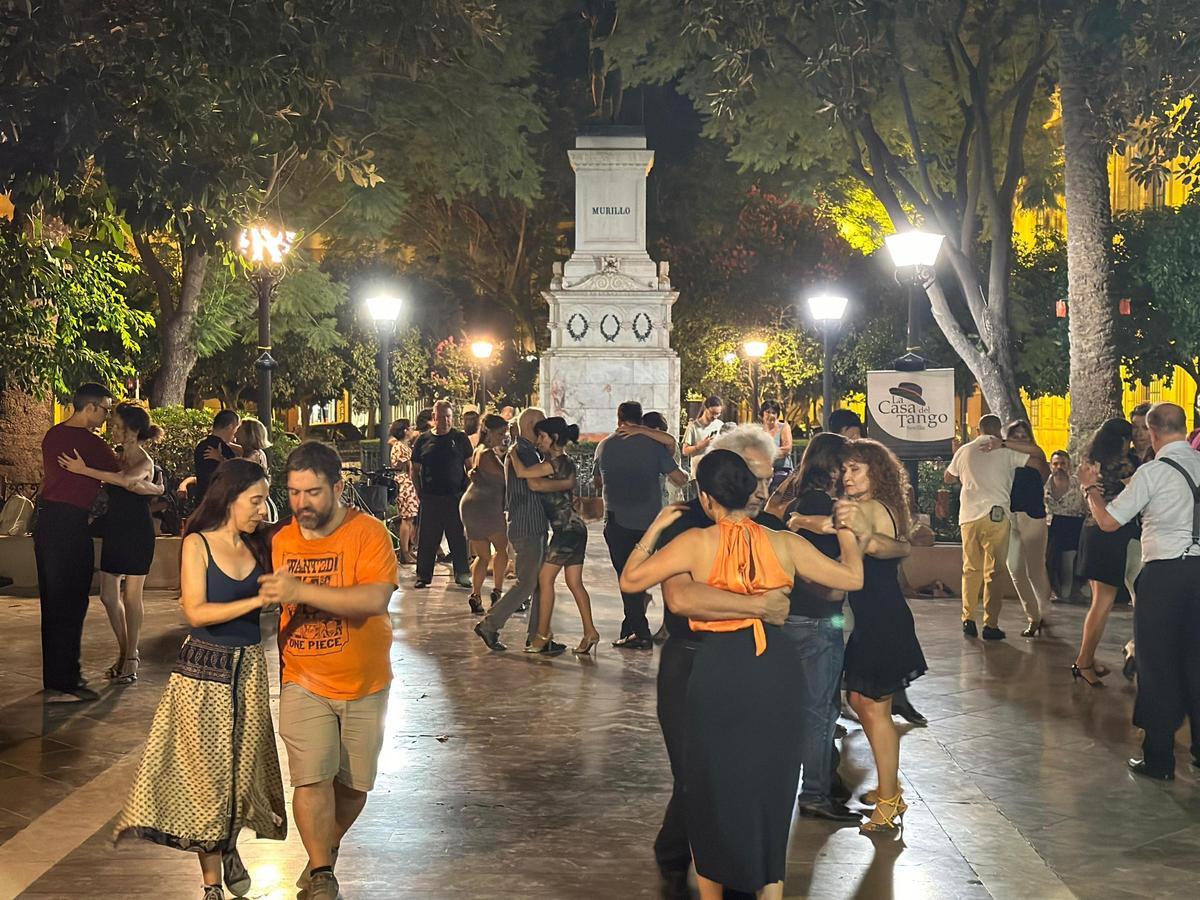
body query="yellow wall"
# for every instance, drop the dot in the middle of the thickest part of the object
(1049, 415)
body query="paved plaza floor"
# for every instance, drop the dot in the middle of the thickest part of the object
(505, 775)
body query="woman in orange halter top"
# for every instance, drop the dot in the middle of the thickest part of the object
(742, 764)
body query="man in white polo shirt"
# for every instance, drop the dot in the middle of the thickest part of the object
(1166, 616)
(985, 468)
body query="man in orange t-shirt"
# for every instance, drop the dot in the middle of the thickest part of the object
(335, 572)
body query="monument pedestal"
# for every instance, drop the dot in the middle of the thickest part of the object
(610, 304)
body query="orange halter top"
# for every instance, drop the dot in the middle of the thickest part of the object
(745, 564)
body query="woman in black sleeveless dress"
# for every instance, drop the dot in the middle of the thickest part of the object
(883, 655)
(128, 533)
(210, 767)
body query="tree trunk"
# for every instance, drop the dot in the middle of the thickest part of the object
(23, 421)
(1095, 385)
(176, 320)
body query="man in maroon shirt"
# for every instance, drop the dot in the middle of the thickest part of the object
(62, 543)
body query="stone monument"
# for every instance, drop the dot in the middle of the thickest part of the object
(610, 303)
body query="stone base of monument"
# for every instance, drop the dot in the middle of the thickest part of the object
(586, 386)
(610, 303)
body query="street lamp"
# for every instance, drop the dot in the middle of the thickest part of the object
(384, 309)
(754, 350)
(482, 351)
(914, 254)
(264, 249)
(827, 311)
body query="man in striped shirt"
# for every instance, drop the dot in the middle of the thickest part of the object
(527, 533)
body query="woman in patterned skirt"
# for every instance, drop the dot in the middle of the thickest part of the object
(210, 767)
(555, 480)
(407, 503)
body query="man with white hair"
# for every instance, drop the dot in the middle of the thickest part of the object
(1165, 492)
(686, 599)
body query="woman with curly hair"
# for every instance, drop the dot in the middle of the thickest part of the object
(883, 655)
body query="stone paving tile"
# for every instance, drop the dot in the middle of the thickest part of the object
(552, 777)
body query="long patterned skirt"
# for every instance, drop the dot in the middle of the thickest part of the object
(210, 767)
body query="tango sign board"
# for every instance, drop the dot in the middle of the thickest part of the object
(912, 412)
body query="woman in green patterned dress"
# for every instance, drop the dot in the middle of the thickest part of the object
(555, 478)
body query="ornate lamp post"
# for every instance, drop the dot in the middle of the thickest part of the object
(827, 311)
(482, 351)
(384, 309)
(265, 249)
(755, 351)
(914, 254)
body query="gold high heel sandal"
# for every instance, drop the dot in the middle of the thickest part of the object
(871, 797)
(586, 645)
(892, 809)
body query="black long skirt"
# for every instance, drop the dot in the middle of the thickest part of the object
(742, 762)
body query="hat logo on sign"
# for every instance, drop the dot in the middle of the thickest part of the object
(907, 390)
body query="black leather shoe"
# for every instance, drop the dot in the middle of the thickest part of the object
(838, 792)
(1139, 767)
(993, 634)
(831, 812)
(491, 638)
(633, 642)
(673, 884)
(969, 629)
(420, 584)
(839, 731)
(910, 715)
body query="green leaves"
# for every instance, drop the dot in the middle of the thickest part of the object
(60, 308)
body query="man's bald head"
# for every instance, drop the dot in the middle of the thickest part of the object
(990, 424)
(1167, 422)
(528, 419)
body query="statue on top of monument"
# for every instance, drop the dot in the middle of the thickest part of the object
(604, 78)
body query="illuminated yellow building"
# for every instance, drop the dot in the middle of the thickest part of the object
(1049, 415)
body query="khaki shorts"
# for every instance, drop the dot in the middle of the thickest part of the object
(332, 738)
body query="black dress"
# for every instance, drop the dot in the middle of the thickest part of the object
(128, 547)
(883, 655)
(1102, 553)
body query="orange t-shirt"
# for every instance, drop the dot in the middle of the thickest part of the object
(335, 657)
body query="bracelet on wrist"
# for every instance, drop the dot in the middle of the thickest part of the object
(638, 546)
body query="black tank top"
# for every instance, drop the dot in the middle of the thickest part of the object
(242, 631)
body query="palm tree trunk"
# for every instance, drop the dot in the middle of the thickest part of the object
(1095, 385)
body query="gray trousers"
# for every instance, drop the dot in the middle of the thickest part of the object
(530, 553)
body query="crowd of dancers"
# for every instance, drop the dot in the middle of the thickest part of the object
(754, 571)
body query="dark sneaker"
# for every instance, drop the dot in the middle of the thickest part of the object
(323, 886)
(80, 694)
(419, 583)
(1139, 767)
(633, 642)
(969, 629)
(491, 638)
(992, 634)
(237, 879)
(304, 879)
(830, 812)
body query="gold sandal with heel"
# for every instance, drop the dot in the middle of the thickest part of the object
(892, 821)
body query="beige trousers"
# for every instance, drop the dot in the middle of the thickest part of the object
(1027, 563)
(984, 546)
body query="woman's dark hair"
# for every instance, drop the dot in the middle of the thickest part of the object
(725, 477)
(399, 429)
(713, 400)
(136, 419)
(821, 464)
(491, 422)
(424, 418)
(1110, 442)
(557, 428)
(770, 406)
(233, 478)
(1018, 423)
(655, 420)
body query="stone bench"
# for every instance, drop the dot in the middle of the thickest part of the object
(17, 562)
